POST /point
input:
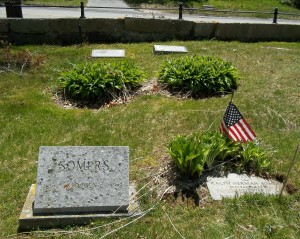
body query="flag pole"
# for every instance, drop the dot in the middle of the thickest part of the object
(289, 171)
(232, 95)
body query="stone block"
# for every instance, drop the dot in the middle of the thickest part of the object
(236, 185)
(204, 30)
(78, 179)
(112, 26)
(108, 53)
(163, 49)
(65, 26)
(28, 221)
(4, 25)
(29, 26)
(162, 26)
(232, 31)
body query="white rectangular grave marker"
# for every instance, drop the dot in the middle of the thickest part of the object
(108, 53)
(169, 49)
(236, 185)
(78, 179)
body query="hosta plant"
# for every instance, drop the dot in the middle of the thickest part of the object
(199, 75)
(217, 147)
(194, 153)
(254, 157)
(103, 81)
(186, 155)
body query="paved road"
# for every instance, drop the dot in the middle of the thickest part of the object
(91, 11)
(107, 3)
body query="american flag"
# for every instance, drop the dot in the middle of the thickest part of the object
(235, 126)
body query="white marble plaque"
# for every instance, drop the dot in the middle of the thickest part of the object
(108, 53)
(236, 185)
(169, 49)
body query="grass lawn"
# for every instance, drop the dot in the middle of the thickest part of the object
(232, 5)
(268, 97)
(256, 5)
(54, 2)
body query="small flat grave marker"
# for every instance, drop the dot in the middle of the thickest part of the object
(163, 49)
(236, 185)
(108, 53)
(75, 179)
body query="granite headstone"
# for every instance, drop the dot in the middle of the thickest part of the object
(82, 179)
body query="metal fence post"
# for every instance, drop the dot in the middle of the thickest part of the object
(82, 10)
(180, 11)
(275, 15)
(13, 9)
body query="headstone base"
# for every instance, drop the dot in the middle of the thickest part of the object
(27, 221)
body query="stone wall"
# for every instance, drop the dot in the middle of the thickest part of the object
(70, 31)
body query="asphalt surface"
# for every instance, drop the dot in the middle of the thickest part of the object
(112, 9)
(107, 3)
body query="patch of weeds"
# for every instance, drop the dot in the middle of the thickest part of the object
(18, 61)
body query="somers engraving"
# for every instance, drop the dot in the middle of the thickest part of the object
(84, 165)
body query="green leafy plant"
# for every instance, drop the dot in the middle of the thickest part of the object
(103, 81)
(186, 154)
(193, 153)
(217, 147)
(200, 75)
(254, 157)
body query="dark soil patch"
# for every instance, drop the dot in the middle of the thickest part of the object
(148, 87)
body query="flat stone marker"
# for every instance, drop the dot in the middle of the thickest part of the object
(75, 179)
(237, 185)
(108, 53)
(28, 221)
(163, 49)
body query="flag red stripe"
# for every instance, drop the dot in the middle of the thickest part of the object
(226, 130)
(246, 130)
(223, 127)
(252, 132)
(222, 130)
(239, 133)
(232, 132)
(242, 132)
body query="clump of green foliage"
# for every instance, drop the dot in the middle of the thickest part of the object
(252, 156)
(199, 75)
(194, 153)
(186, 154)
(105, 81)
